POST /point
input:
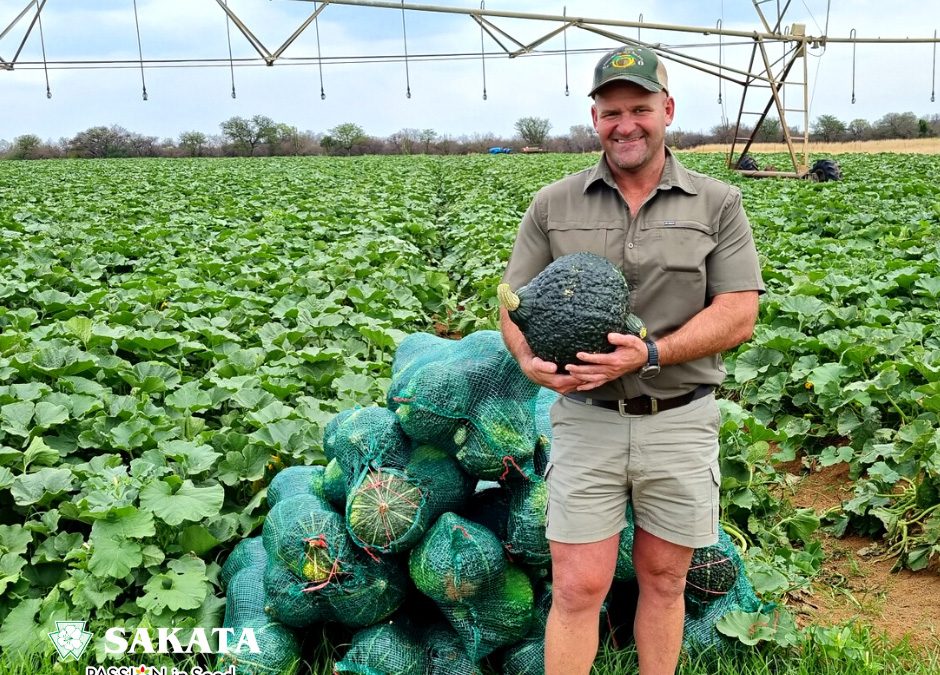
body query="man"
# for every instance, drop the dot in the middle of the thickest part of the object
(639, 424)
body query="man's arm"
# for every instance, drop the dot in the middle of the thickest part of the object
(725, 323)
(539, 371)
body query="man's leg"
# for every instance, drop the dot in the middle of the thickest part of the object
(581, 577)
(660, 611)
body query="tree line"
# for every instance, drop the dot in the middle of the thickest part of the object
(260, 135)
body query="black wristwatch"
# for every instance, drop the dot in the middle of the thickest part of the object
(651, 369)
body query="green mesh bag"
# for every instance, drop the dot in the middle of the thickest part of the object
(247, 553)
(362, 437)
(279, 651)
(456, 560)
(499, 617)
(334, 484)
(385, 649)
(447, 486)
(296, 480)
(308, 538)
(386, 511)
(712, 574)
(244, 596)
(287, 599)
(467, 397)
(543, 424)
(699, 631)
(525, 658)
(446, 653)
(525, 526)
(374, 590)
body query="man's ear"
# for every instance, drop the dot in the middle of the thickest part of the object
(670, 106)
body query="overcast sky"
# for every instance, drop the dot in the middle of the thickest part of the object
(446, 95)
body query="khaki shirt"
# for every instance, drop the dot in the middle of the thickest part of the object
(689, 242)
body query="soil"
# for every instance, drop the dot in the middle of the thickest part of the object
(856, 585)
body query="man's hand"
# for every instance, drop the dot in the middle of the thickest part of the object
(629, 355)
(545, 373)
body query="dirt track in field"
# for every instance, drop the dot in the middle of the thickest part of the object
(856, 584)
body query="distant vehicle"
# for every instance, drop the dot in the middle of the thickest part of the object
(531, 149)
(500, 151)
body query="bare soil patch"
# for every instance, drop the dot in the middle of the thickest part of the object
(856, 585)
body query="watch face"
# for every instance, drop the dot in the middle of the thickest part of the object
(649, 371)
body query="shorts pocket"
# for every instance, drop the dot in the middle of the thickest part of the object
(548, 488)
(716, 487)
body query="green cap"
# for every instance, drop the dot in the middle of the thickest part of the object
(638, 65)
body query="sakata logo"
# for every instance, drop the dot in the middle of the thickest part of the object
(70, 638)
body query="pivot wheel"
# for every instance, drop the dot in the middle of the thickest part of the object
(747, 163)
(825, 170)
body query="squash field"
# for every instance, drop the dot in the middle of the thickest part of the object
(175, 332)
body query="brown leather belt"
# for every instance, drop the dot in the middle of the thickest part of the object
(644, 405)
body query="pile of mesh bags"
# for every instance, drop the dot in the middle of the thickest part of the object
(424, 534)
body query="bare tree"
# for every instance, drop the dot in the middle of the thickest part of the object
(98, 142)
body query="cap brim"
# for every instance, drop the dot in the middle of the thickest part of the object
(641, 81)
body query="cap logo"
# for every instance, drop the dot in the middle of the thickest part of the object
(625, 61)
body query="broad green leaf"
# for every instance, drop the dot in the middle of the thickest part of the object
(127, 522)
(195, 458)
(22, 632)
(182, 586)
(80, 327)
(14, 539)
(38, 453)
(190, 398)
(48, 415)
(15, 418)
(187, 503)
(40, 486)
(113, 556)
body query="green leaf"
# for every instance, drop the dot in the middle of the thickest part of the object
(40, 486)
(748, 627)
(127, 522)
(15, 418)
(195, 458)
(189, 398)
(113, 556)
(49, 414)
(80, 327)
(21, 632)
(187, 503)
(197, 539)
(183, 586)
(14, 539)
(10, 567)
(39, 453)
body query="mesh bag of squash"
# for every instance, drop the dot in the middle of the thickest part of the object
(715, 585)
(361, 437)
(389, 510)
(467, 397)
(385, 648)
(314, 572)
(296, 480)
(462, 567)
(279, 651)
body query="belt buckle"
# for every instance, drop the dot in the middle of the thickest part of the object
(621, 409)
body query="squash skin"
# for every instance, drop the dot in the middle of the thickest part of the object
(571, 306)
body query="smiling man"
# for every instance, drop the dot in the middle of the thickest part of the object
(638, 425)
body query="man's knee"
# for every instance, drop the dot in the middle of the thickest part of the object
(579, 594)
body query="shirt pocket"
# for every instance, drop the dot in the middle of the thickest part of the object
(680, 246)
(566, 236)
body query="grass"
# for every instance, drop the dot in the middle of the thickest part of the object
(850, 651)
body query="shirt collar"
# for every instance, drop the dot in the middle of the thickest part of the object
(674, 175)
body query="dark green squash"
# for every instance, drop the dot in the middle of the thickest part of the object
(571, 307)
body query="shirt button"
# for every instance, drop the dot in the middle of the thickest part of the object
(630, 245)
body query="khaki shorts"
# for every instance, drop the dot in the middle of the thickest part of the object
(666, 464)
